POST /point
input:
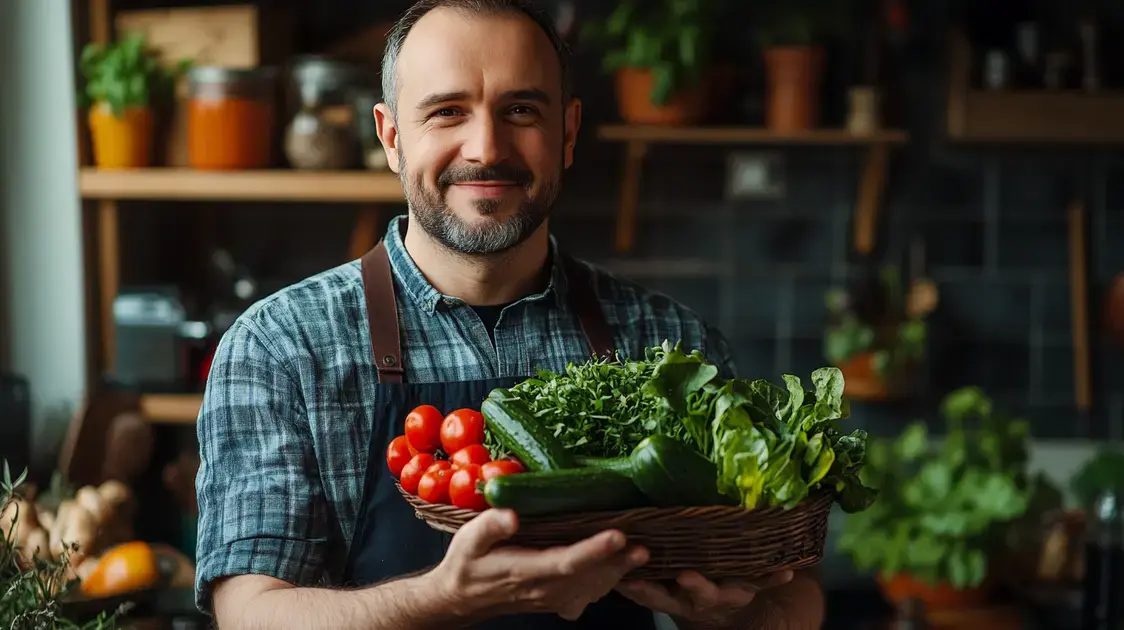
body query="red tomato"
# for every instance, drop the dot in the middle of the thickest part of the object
(472, 454)
(440, 464)
(463, 489)
(463, 427)
(423, 428)
(434, 486)
(412, 472)
(398, 455)
(500, 467)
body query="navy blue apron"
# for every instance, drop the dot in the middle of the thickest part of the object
(390, 541)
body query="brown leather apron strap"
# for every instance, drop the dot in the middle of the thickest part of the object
(583, 300)
(382, 314)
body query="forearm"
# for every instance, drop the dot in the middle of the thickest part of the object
(405, 604)
(798, 605)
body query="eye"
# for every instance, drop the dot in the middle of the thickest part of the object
(446, 112)
(523, 110)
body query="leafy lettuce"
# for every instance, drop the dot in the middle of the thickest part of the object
(772, 445)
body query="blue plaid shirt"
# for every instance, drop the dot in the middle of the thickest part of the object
(284, 427)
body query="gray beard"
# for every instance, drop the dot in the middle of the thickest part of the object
(431, 212)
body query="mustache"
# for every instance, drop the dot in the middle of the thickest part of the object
(499, 172)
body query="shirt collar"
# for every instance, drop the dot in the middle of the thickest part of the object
(425, 295)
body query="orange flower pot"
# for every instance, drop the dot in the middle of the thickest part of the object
(903, 587)
(793, 99)
(634, 99)
(861, 381)
(125, 142)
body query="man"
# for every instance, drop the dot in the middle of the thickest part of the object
(300, 525)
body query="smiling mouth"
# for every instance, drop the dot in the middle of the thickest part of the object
(488, 189)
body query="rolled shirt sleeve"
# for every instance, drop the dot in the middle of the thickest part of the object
(262, 509)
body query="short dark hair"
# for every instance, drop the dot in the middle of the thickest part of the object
(405, 24)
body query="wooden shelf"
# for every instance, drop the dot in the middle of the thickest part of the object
(170, 408)
(638, 138)
(271, 185)
(1026, 117)
(744, 135)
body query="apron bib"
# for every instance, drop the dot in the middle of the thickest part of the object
(390, 541)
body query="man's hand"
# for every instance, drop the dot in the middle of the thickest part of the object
(480, 579)
(697, 600)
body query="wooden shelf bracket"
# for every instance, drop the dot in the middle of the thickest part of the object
(630, 195)
(872, 183)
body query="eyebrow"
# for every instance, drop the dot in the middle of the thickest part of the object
(531, 94)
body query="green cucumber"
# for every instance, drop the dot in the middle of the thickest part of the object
(566, 491)
(520, 432)
(672, 474)
(622, 465)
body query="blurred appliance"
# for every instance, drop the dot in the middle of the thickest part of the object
(155, 340)
(15, 422)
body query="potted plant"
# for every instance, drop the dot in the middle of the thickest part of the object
(877, 334)
(660, 56)
(124, 85)
(946, 510)
(792, 34)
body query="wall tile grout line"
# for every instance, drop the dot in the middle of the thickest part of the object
(1035, 346)
(991, 208)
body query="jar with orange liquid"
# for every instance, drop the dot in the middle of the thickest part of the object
(230, 118)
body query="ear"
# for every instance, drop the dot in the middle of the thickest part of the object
(388, 133)
(573, 124)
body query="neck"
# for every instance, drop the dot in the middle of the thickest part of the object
(482, 280)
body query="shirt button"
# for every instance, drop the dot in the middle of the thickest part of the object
(448, 303)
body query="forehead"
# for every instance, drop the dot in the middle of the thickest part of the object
(455, 51)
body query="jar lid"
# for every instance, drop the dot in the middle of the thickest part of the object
(211, 75)
(327, 73)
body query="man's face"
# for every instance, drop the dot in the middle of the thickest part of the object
(482, 136)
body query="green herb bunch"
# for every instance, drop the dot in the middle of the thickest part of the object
(945, 510)
(126, 74)
(772, 445)
(33, 590)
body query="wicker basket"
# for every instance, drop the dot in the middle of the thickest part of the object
(718, 542)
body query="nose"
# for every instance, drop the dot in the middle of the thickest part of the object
(485, 141)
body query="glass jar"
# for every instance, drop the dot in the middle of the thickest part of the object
(322, 134)
(230, 118)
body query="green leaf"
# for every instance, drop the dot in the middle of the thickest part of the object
(791, 409)
(821, 466)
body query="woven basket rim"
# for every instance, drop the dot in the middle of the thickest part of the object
(451, 511)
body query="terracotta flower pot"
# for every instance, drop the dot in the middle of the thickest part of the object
(903, 587)
(125, 142)
(634, 99)
(793, 75)
(862, 381)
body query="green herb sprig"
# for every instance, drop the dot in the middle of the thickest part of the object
(32, 594)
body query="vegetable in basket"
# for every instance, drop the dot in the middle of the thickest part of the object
(764, 445)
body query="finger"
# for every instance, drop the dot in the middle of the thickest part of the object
(584, 555)
(704, 594)
(477, 537)
(572, 611)
(777, 579)
(653, 596)
(602, 580)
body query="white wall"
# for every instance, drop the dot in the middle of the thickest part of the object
(40, 226)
